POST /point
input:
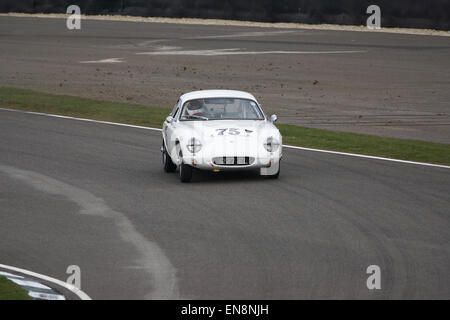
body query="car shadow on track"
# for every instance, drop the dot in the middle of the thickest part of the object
(226, 176)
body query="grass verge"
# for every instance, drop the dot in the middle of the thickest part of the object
(10, 291)
(412, 150)
(23, 99)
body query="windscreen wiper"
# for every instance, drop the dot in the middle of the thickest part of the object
(198, 117)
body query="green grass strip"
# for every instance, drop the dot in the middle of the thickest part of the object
(10, 291)
(30, 100)
(412, 150)
(403, 149)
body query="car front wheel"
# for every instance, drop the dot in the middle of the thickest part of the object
(169, 166)
(185, 172)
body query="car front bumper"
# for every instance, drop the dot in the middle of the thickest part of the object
(233, 163)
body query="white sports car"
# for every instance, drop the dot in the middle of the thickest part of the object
(220, 130)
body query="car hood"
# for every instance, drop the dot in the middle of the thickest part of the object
(227, 137)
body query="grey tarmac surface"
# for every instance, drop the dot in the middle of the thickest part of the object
(95, 195)
(394, 85)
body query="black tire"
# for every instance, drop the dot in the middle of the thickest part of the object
(185, 173)
(276, 175)
(169, 166)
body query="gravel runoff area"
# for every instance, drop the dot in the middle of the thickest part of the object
(383, 82)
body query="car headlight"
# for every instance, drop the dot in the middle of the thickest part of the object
(194, 145)
(271, 144)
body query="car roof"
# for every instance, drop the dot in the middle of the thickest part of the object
(202, 94)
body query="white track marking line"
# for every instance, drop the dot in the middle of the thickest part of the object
(167, 48)
(80, 119)
(246, 34)
(368, 157)
(284, 146)
(109, 60)
(73, 289)
(10, 275)
(45, 296)
(31, 284)
(235, 51)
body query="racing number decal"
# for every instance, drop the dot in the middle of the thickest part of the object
(231, 131)
(221, 131)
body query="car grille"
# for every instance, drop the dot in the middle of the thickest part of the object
(233, 161)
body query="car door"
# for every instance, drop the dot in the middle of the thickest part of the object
(169, 128)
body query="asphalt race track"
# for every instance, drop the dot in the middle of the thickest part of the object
(386, 84)
(95, 195)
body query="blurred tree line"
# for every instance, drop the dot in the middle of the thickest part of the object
(399, 13)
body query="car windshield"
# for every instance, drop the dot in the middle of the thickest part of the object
(221, 109)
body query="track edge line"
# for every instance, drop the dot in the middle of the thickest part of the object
(285, 146)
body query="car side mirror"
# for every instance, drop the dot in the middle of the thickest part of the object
(169, 119)
(273, 118)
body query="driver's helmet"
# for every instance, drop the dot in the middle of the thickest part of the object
(195, 105)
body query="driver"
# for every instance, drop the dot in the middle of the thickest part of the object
(197, 107)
